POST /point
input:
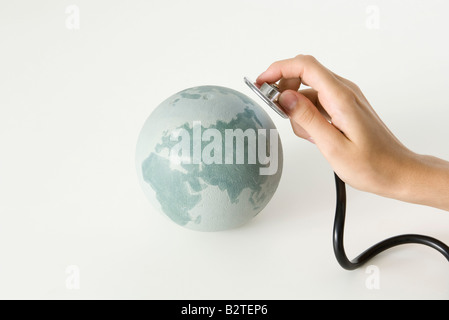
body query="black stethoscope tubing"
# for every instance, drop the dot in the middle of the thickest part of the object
(338, 235)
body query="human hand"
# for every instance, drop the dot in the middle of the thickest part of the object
(335, 115)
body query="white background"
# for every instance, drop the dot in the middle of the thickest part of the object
(72, 103)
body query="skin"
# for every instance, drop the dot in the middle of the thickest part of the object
(335, 115)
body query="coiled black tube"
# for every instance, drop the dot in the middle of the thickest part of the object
(338, 235)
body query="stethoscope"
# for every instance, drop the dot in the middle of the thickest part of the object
(269, 93)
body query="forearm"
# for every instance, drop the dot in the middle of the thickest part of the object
(426, 182)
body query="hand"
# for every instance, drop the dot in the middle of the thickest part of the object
(335, 115)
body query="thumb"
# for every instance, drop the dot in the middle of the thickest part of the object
(304, 113)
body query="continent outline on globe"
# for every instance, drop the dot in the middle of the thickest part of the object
(181, 187)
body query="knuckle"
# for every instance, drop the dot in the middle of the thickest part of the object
(353, 86)
(306, 59)
(345, 96)
(304, 115)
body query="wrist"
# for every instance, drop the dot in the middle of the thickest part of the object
(424, 180)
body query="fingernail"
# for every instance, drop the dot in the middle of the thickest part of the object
(288, 100)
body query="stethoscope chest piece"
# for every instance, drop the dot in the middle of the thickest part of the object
(269, 93)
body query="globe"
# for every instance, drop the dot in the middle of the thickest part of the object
(209, 158)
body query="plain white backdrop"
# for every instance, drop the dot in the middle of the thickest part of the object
(78, 79)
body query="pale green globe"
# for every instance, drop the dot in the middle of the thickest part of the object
(209, 158)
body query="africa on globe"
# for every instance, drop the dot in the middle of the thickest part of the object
(209, 158)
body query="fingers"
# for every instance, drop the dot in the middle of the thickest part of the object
(312, 95)
(306, 68)
(308, 123)
(289, 84)
(309, 71)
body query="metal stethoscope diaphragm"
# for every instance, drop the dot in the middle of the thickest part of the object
(269, 93)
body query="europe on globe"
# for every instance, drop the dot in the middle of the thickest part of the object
(209, 158)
